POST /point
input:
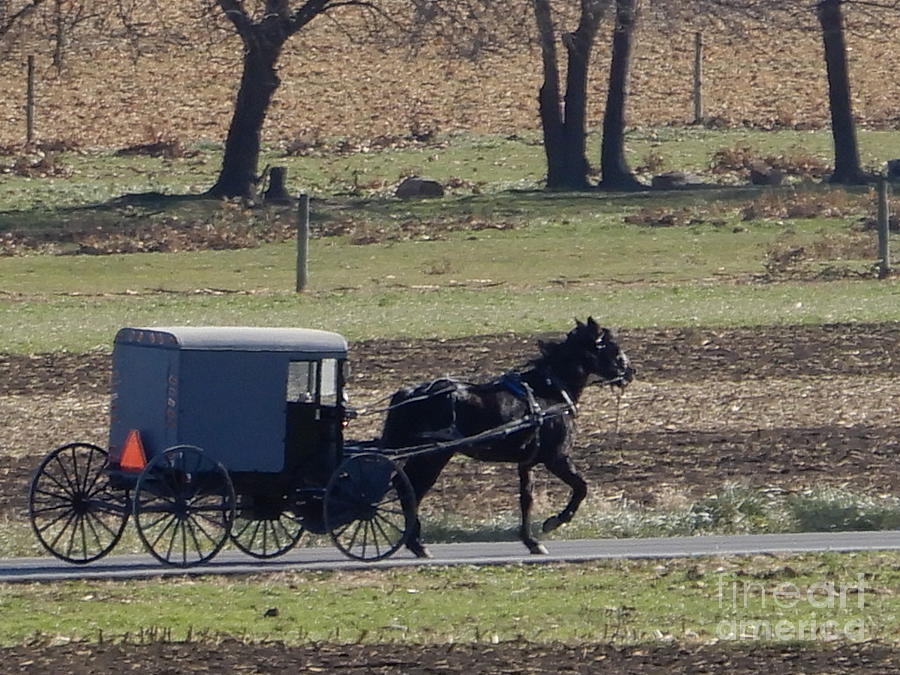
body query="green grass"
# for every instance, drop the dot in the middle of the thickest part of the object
(693, 600)
(831, 510)
(533, 278)
(81, 323)
(560, 239)
(692, 148)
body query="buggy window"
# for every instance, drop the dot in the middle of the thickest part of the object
(301, 383)
(329, 389)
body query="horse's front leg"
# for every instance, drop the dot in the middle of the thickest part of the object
(561, 467)
(526, 498)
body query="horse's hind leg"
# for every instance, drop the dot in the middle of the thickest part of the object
(526, 498)
(422, 471)
(561, 467)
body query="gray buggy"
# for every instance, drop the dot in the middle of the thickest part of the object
(221, 434)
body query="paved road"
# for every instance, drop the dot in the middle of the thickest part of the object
(488, 553)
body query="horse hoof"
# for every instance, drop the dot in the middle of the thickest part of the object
(418, 550)
(536, 548)
(551, 523)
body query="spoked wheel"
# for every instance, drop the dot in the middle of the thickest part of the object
(262, 527)
(370, 507)
(183, 506)
(74, 512)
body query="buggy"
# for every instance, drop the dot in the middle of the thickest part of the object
(221, 434)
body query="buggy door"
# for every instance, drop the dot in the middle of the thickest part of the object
(314, 415)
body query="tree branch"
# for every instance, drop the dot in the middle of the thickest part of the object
(236, 13)
(13, 19)
(303, 15)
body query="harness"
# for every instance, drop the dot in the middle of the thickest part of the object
(512, 382)
(521, 389)
(553, 381)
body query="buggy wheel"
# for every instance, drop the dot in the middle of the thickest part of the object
(74, 512)
(370, 507)
(183, 506)
(262, 528)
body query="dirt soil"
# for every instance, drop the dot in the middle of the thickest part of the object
(784, 407)
(236, 657)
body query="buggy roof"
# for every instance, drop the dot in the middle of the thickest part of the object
(237, 338)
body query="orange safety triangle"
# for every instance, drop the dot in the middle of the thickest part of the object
(133, 457)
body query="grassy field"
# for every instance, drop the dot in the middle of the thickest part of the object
(530, 279)
(39, 324)
(485, 258)
(800, 598)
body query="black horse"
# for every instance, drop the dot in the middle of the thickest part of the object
(547, 393)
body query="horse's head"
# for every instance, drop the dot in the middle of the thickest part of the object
(595, 352)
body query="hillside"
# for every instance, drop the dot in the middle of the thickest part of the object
(332, 87)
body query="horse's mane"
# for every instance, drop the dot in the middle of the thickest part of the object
(555, 350)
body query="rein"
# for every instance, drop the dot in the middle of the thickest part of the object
(370, 410)
(618, 395)
(512, 381)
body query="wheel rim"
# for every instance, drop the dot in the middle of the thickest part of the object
(74, 512)
(369, 507)
(264, 530)
(184, 506)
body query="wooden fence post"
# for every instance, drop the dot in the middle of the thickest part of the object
(29, 103)
(698, 78)
(884, 230)
(302, 242)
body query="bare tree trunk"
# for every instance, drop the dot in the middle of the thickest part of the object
(843, 127)
(259, 80)
(263, 41)
(578, 46)
(565, 128)
(614, 170)
(548, 97)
